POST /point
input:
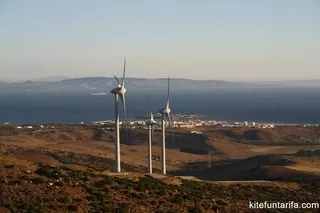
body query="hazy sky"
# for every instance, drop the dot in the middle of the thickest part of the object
(198, 39)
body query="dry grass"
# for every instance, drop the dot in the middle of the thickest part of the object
(306, 164)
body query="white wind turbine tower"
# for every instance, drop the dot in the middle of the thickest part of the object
(165, 112)
(119, 91)
(150, 123)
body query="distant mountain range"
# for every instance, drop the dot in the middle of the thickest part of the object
(103, 84)
(50, 79)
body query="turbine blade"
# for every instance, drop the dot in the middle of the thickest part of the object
(168, 92)
(171, 129)
(173, 140)
(149, 105)
(152, 132)
(124, 71)
(116, 79)
(123, 99)
(169, 119)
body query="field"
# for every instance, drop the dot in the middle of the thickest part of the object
(70, 170)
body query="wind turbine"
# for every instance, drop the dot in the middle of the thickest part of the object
(150, 123)
(119, 91)
(165, 112)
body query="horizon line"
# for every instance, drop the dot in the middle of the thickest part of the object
(42, 79)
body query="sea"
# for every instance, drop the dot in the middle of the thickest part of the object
(267, 105)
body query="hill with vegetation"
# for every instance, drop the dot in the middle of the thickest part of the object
(69, 169)
(33, 186)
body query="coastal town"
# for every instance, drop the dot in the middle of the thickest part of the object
(186, 121)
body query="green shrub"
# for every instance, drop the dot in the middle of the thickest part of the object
(148, 183)
(177, 199)
(49, 171)
(63, 199)
(103, 183)
(72, 208)
(124, 208)
(26, 207)
(77, 200)
(14, 182)
(37, 180)
(195, 209)
(60, 184)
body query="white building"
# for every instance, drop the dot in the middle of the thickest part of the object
(196, 132)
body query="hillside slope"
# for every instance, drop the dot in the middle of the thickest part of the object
(30, 186)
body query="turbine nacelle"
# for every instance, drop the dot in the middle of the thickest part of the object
(151, 122)
(119, 90)
(165, 111)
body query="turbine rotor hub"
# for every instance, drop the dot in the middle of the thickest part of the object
(150, 122)
(165, 111)
(119, 91)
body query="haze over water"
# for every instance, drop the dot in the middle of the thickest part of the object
(282, 105)
(225, 40)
